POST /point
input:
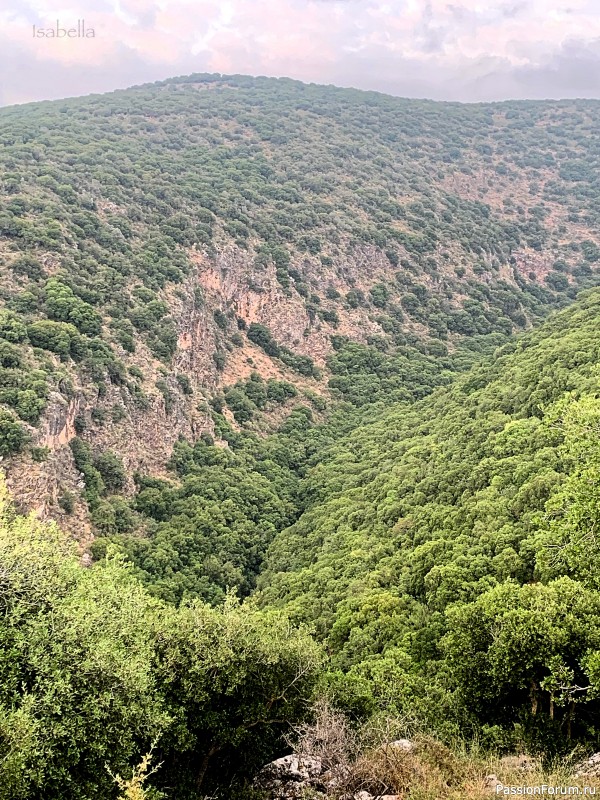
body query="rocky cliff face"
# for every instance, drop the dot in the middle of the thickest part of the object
(142, 433)
(131, 274)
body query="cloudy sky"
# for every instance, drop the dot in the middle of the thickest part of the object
(467, 50)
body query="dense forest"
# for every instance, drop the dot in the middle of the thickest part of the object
(390, 230)
(301, 384)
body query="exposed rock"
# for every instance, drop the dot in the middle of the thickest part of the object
(294, 791)
(401, 744)
(590, 768)
(143, 434)
(59, 420)
(296, 777)
(364, 795)
(38, 486)
(491, 782)
(332, 782)
(521, 763)
(291, 778)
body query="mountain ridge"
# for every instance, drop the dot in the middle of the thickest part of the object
(337, 354)
(160, 222)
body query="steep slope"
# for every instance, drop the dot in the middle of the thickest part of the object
(448, 555)
(162, 242)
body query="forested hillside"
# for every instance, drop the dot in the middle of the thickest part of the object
(444, 556)
(308, 378)
(161, 242)
(447, 553)
(413, 532)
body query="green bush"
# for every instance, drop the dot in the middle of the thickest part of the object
(12, 435)
(58, 337)
(112, 472)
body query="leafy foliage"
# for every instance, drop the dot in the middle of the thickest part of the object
(438, 532)
(210, 532)
(109, 200)
(427, 521)
(94, 670)
(422, 545)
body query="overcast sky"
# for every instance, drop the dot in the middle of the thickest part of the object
(456, 50)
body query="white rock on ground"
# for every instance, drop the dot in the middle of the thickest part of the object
(290, 777)
(588, 768)
(522, 763)
(491, 782)
(401, 744)
(290, 768)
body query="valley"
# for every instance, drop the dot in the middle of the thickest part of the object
(301, 386)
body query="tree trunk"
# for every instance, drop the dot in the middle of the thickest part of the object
(570, 714)
(204, 765)
(534, 698)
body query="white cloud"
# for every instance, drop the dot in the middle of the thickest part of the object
(454, 49)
